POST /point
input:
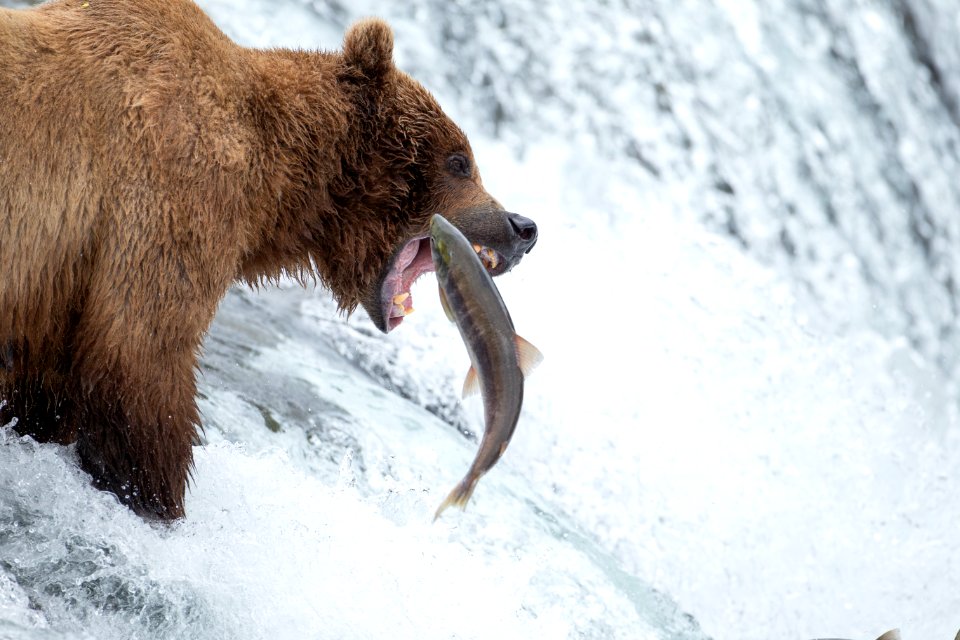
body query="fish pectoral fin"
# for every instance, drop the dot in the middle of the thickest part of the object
(528, 356)
(445, 305)
(471, 384)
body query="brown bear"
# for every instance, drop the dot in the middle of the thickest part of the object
(147, 163)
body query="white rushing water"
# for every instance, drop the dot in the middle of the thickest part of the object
(745, 423)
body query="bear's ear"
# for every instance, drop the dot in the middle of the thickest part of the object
(368, 47)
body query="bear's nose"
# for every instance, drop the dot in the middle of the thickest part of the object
(526, 230)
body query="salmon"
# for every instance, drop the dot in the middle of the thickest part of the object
(500, 359)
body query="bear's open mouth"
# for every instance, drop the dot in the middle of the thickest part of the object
(414, 260)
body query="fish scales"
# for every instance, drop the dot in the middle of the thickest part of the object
(477, 321)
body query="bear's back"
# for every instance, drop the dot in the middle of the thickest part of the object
(101, 101)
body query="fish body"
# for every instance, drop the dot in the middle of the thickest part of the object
(499, 357)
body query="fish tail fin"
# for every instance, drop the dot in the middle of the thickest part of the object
(528, 356)
(458, 497)
(471, 384)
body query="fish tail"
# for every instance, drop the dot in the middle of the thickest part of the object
(458, 497)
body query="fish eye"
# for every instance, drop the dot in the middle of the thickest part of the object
(458, 165)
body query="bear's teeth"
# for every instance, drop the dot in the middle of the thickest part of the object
(400, 297)
(487, 255)
(397, 311)
(408, 311)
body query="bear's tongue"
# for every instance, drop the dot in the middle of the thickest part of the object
(413, 261)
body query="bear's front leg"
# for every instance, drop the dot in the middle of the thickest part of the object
(154, 287)
(141, 453)
(136, 433)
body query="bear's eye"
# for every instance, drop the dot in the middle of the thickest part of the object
(458, 165)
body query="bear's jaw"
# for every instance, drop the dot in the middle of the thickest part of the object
(413, 260)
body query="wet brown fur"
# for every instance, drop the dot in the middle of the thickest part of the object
(146, 164)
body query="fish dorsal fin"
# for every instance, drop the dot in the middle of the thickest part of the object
(445, 305)
(528, 356)
(471, 384)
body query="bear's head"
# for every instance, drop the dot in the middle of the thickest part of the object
(412, 161)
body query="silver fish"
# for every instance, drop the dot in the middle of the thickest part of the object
(500, 358)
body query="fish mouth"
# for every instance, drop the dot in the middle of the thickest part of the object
(410, 263)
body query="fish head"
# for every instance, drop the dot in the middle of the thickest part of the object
(443, 244)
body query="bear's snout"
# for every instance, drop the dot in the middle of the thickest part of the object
(525, 230)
